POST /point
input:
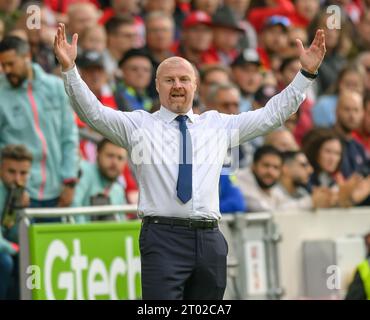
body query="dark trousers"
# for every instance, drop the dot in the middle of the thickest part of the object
(182, 263)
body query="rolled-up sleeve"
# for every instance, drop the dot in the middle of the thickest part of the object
(117, 126)
(248, 125)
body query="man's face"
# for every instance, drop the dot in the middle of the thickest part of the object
(213, 78)
(137, 72)
(167, 6)
(299, 170)
(14, 172)
(198, 38)
(248, 77)
(176, 85)
(225, 39)
(275, 39)
(350, 112)
(352, 81)
(14, 66)
(268, 170)
(84, 17)
(124, 6)
(227, 101)
(124, 38)
(111, 160)
(95, 78)
(307, 8)
(159, 34)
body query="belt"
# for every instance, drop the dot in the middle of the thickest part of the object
(190, 223)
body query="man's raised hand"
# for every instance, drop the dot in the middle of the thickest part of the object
(312, 57)
(66, 53)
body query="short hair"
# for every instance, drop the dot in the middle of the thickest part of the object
(213, 92)
(265, 150)
(21, 46)
(116, 22)
(158, 15)
(290, 156)
(17, 152)
(286, 62)
(102, 143)
(207, 69)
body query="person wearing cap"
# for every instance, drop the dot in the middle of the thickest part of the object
(91, 67)
(247, 74)
(131, 89)
(196, 37)
(35, 111)
(226, 34)
(178, 156)
(274, 41)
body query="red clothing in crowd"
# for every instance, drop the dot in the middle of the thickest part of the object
(211, 56)
(305, 122)
(62, 5)
(363, 139)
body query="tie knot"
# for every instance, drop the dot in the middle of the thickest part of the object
(182, 118)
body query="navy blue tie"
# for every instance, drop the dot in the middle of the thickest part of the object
(185, 178)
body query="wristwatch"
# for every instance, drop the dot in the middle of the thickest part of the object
(309, 75)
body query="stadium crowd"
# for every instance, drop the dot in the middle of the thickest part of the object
(244, 52)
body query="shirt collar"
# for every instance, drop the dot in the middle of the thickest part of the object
(168, 115)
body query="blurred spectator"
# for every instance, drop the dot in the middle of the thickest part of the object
(126, 8)
(40, 39)
(131, 90)
(359, 289)
(337, 44)
(324, 150)
(300, 12)
(350, 78)
(81, 15)
(34, 110)
(362, 135)
(196, 37)
(293, 34)
(281, 139)
(91, 68)
(2, 29)
(264, 94)
(257, 183)
(239, 8)
(98, 184)
(160, 31)
(362, 38)
(211, 75)
(9, 13)
(226, 34)
(15, 165)
(364, 61)
(224, 98)
(295, 176)
(274, 41)
(121, 37)
(246, 71)
(288, 70)
(93, 39)
(350, 114)
(208, 6)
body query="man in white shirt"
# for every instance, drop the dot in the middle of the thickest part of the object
(178, 156)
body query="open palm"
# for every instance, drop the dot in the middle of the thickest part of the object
(66, 53)
(312, 57)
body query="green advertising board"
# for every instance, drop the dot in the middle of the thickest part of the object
(86, 261)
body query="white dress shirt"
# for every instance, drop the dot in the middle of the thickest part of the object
(153, 140)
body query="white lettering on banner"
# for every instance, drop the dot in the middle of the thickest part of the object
(34, 280)
(333, 281)
(256, 267)
(99, 280)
